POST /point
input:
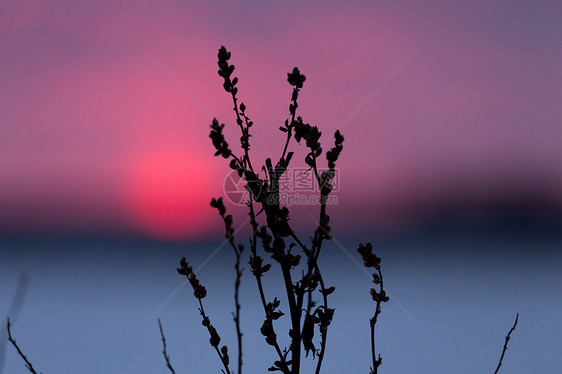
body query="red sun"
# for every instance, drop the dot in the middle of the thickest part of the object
(169, 195)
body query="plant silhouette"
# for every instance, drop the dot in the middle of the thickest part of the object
(278, 240)
(274, 242)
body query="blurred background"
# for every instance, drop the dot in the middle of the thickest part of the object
(451, 167)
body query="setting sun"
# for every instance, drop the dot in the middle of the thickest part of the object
(169, 194)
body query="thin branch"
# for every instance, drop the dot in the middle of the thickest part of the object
(295, 313)
(13, 311)
(200, 293)
(506, 341)
(376, 361)
(293, 111)
(214, 336)
(237, 306)
(229, 234)
(28, 364)
(324, 331)
(164, 352)
(258, 274)
(379, 296)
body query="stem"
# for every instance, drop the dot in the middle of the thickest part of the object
(164, 351)
(13, 341)
(313, 265)
(373, 321)
(239, 122)
(506, 341)
(324, 334)
(202, 311)
(238, 254)
(295, 319)
(375, 362)
(293, 114)
(237, 315)
(254, 224)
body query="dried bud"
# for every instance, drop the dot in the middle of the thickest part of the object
(379, 296)
(224, 352)
(327, 291)
(265, 268)
(325, 317)
(295, 260)
(184, 268)
(339, 137)
(308, 335)
(200, 292)
(267, 331)
(296, 78)
(218, 204)
(215, 338)
(266, 328)
(223, 55)
(369, 258)
(218, 140)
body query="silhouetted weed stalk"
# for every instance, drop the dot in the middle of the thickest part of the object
(278, 240)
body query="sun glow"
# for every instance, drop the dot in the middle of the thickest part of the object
(169, 194)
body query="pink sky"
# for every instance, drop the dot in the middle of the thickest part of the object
(437, 101)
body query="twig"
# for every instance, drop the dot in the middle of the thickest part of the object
(215, 338)
(13, 341)
(200, 293)
(376, 361)
(229, 234)
(506, 341)
(237, 305)
(164, 352)
(371, 260)
(258, 270)
(13, 311)
(293, 111)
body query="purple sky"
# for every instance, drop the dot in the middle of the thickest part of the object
(105, 106)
